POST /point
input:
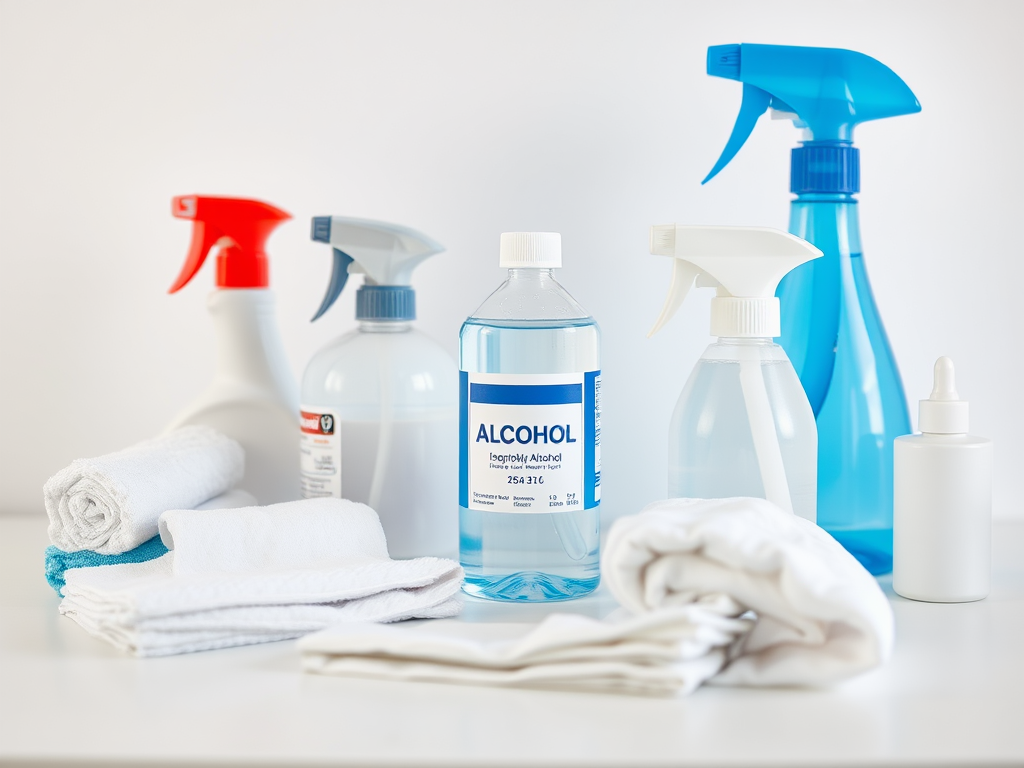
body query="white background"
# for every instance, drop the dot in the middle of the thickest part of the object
(466, 119)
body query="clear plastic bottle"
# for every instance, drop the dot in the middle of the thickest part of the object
(380, 404)
(529, 508)
(711, 452)
(742, 425)
(391, 393)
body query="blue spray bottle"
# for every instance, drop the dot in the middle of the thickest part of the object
(831, 328)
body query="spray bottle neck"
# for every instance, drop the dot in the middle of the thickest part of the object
(537, 274)
(384, 326)
(747, 341)
(825, 197)
(831, 222)
(731, 349)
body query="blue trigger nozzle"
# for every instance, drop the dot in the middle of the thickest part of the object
(827, 92)
(339, 273)
(755, 103)
(724, 61)
(321, 230)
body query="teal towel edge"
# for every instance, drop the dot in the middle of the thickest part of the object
(58, 561)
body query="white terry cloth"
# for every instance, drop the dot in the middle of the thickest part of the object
(111, 504)
(820, 617)
(257, 574)
(657, 653)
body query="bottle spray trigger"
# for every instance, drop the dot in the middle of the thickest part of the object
(755, 103)
(824, 91)
(339, 276)
(239, 227)
(385, 253)
(684, 275)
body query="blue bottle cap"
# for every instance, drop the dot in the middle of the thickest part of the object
(385, 302)
(825, 167)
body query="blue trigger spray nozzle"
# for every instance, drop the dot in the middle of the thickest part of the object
(321, 233)
(826, 91)
(755, 103)
(385, 253)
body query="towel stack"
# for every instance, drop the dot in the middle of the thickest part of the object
(258, 574)
(179, 572)
(104, 511)
(729, 591)
(57, 561)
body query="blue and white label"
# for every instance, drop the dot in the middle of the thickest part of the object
(530, 442)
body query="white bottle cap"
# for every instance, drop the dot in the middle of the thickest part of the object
(944, 413)
(531, 250)
(745, 318)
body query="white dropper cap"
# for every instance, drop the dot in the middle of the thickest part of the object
(944, 413)
(745, 264)
(531, 250)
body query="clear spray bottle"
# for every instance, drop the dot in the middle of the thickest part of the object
(742, 425)
(380, 403)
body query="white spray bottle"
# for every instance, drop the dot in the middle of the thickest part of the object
(742, 425)
(253, 397)
(380, 404)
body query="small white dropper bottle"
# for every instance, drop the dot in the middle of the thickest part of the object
(942, 502)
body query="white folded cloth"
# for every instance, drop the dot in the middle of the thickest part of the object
(658, 653)
(111, 504)
(820, 617)
(729, 591)
(257, 574)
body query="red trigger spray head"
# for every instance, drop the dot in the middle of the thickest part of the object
(239, 227)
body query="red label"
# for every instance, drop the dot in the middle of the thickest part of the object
(317, 423)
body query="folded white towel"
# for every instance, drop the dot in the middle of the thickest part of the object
(690, 570)
(662, 652)
(820, 616)
(111, 504)
(257, 574)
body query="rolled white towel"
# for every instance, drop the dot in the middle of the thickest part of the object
(111, 504)
(820, 616)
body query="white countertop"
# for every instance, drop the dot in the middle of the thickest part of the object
(953, 693)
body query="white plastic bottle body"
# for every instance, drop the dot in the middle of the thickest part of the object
(393, 393)
(253, 397)
(942, 517)
(712, 450)
(530, 327)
